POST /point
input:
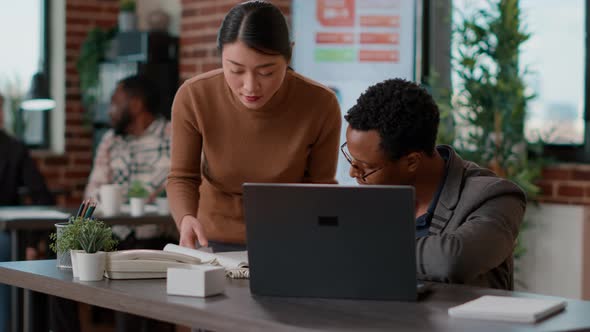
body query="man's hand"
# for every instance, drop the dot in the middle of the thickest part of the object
(191, 231)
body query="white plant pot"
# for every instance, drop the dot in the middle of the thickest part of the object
(73, 255)
(91, 266)
(127, 21)
(162, 204)
(137, 206)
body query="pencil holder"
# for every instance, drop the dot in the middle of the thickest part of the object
(64, 260)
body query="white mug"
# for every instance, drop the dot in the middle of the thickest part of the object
(110, 197)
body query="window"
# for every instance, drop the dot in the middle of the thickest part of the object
(556, 54)
(24, 28)
(555, 58)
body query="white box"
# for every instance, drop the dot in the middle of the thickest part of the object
(198, 280)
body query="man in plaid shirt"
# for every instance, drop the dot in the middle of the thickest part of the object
(137, 148)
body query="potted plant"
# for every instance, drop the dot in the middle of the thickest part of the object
(490, 100)
(162, 203)
(95, 238)
(137, 196)
(127, 18)
(66, 241)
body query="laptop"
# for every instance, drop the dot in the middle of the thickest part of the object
(331, 241)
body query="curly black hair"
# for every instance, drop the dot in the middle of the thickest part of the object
(404, 114)
(142, 87)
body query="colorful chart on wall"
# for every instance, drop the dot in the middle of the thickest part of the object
(368, 40)
(349, 45)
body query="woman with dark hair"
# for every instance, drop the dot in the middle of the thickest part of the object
(254, 120)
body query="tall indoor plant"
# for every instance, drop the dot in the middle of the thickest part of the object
(490, 97)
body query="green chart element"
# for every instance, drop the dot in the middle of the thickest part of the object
(335, 55)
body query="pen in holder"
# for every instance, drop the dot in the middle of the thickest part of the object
(65, 237)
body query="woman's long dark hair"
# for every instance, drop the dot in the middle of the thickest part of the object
(258, 24)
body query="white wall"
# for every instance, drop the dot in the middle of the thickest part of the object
(553, 262)
(171, 7)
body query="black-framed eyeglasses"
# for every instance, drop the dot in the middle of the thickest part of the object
(350, 160)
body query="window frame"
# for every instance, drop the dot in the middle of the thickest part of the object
(45, 70)
(579, 153)
(437, 32)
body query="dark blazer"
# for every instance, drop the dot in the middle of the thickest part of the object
(474, 228)
(18, 170)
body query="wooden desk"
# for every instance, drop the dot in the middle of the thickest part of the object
(237, 310)
(20, 226)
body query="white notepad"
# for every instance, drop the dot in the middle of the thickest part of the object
(512, 309)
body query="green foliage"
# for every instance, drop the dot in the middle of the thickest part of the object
(492, 96)
(92, 52)
(127, 5)
(96, 236)
(86, 234)
(443, 98)
(137, 189)
(68, 240)
(490, 102)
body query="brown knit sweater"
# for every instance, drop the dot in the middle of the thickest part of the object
(218, 144)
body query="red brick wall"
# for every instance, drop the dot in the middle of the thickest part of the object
(69, 173)
(566, 183)
(198, 33)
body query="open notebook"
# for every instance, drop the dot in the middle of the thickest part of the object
(512, 309)
(234, 262)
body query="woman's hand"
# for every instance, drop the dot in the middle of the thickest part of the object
(191, 231)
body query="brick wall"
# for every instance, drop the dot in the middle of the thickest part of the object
(69, 173)
(198, 33)
(566, 183)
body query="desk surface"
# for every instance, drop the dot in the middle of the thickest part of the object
(238, 310)
(7, 223)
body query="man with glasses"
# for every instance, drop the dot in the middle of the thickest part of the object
(467, 218)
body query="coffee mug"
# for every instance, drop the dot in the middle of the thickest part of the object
(110, 197)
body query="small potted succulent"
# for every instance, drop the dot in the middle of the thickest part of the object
(127, 18)
(162, 203)
(137, 197)
(95, 239)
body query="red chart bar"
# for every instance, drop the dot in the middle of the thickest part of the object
(378, 56)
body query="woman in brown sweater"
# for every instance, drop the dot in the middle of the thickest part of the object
(253, 120)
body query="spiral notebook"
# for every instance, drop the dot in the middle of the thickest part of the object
(511, 309)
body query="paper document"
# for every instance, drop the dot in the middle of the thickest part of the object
(512, 309)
